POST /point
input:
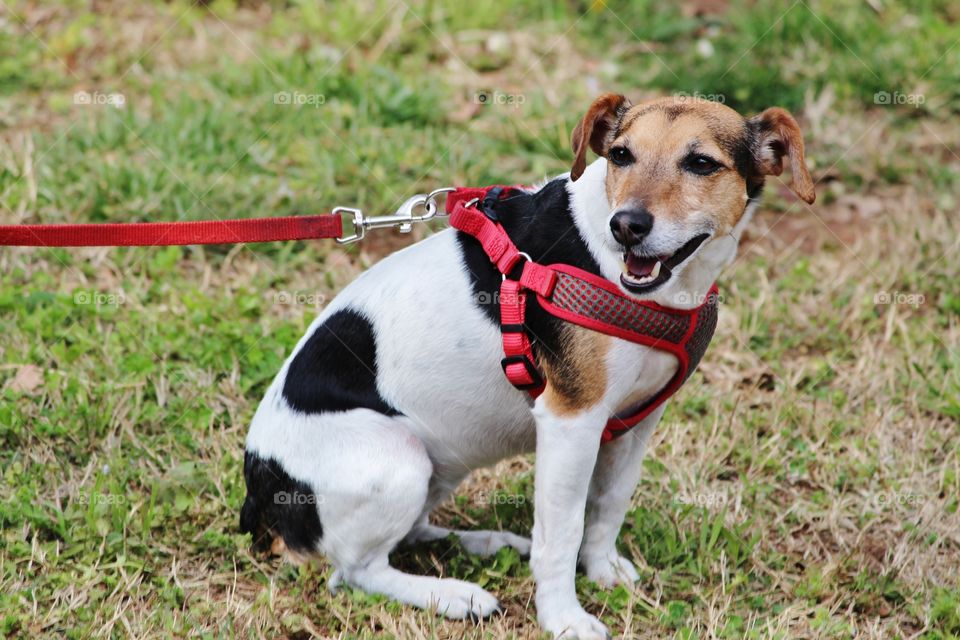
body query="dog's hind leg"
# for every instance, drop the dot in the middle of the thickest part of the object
(449, 597)
(376, 494)
(481, 543)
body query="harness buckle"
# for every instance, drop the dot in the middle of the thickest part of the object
(403, 219)
(532, 371)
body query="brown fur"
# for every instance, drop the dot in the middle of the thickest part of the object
(780, 136)
(279, 548)
(595, 129)
(577, 378)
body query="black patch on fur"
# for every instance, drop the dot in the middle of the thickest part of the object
(674, 111)
(617, 129)
(671, 111)
(753, 190)
(336, 370)
(740, 148)
(278, 505)
(541, 225)
(743, 149)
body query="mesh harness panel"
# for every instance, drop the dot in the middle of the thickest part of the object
(586, 300)
(578, 296)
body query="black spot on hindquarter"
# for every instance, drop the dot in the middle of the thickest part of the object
(278, 505)
(336, 369)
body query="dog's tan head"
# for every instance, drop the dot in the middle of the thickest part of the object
(680, 171)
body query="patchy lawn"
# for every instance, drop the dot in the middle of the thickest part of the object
(803, 485)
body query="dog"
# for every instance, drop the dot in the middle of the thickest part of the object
(396, 393)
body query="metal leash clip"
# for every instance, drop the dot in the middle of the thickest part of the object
(403, 219)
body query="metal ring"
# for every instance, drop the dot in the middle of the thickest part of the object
(433, 194)
(431, 206)
(526, 255)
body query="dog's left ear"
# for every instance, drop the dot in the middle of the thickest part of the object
(778, 135)
(595, 129)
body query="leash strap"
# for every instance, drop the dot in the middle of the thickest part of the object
(418, 208)
(151, 234)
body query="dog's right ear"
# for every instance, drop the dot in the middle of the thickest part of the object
(596, 129)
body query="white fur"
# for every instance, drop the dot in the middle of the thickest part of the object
(377, 478)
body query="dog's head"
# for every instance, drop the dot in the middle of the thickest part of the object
(680, 174)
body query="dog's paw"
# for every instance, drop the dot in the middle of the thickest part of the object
(459, 600)
(574, 624)
(485, 543)
(610, 570)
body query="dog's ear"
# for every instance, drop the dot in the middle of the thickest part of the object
(596, 129)
(778, 135)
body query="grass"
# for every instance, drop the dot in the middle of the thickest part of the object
(804, 485)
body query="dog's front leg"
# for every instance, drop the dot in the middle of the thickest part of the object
(567, 445)
(614, 480)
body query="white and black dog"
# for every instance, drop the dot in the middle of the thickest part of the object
(396, 392)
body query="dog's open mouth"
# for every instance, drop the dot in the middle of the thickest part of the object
(644, 274)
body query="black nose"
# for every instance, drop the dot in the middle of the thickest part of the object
(631, 226)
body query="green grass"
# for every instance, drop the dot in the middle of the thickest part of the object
(803, 485)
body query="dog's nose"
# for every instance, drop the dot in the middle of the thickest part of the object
(631, 226)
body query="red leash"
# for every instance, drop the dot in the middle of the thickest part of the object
(152, 234)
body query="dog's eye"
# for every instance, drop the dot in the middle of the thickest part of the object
(701, 165)
(620, 156)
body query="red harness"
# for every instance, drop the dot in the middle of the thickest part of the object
(584, 299)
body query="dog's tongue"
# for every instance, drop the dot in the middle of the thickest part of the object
(640, 267)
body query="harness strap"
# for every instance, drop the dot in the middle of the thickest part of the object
(518, 362)
(494, 240)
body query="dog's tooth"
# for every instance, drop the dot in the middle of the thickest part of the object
(655, 271)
